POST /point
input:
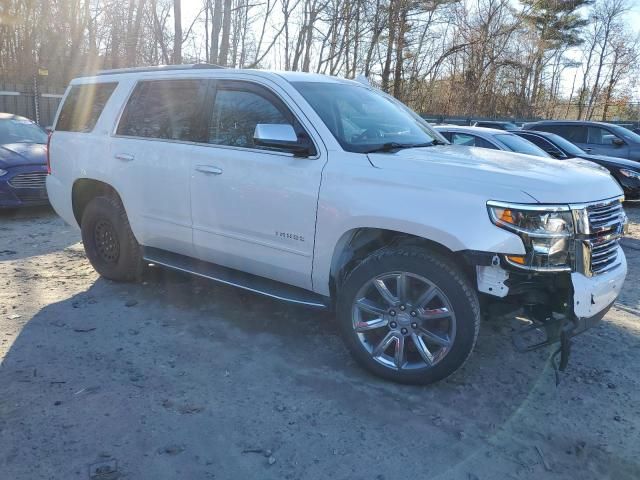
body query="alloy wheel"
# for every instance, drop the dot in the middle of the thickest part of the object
(404, 321)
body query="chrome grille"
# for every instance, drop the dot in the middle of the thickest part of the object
(29, 180)
(606, 222)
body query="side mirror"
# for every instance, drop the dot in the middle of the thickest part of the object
(48, 129)
(617, 142)
(280, 136)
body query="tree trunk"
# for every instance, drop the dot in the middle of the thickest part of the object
(177, 38)
(226, 31)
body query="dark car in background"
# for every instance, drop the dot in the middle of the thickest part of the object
(626, 172)
(594, 137)
(498, 125)
(23, 162)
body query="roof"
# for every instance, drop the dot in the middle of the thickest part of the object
(161, 70)
(568, 122)
(476, 130)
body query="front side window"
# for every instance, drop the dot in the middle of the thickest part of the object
(236, 113)
(239, 106)
(363, 120)
(83, 106)
(166, 109)
(600, 136)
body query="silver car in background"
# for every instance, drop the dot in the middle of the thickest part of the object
(489, 138)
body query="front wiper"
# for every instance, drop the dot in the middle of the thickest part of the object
(390, 146)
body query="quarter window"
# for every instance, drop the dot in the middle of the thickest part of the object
(167, 109)
(83, 106)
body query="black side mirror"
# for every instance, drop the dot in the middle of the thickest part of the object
(617, 142)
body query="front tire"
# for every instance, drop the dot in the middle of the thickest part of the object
(108, 240)
(408, 315)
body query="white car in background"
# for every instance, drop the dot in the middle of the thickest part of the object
(326, 193)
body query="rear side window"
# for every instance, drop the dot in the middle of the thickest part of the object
(573, 133)
(167, 109)
(83, 106)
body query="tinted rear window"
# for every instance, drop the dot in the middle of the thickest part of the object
(167, 109)
(83, 106)
(573, 133)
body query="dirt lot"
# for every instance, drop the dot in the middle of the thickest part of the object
(181, 378)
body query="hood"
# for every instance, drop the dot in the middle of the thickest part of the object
(18, 154)
(503, 176)
(612, 161)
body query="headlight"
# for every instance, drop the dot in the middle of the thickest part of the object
(630, 173)
(546, 232)
(2, 172)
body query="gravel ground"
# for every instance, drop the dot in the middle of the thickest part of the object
(181, 378)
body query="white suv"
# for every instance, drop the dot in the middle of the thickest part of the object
(326, 192)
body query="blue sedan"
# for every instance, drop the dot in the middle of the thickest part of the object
(23, 162)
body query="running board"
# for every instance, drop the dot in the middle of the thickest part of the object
(236, 278)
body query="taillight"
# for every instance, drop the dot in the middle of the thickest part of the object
(49, 156)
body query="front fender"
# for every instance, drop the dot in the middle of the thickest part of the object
(456, 219)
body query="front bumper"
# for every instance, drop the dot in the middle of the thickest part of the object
(593, 294)
(14, 194)
(555, 304)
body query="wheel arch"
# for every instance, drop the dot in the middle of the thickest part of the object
(86, 189)
(357, 243)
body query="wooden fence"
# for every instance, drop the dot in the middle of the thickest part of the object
(37, 102)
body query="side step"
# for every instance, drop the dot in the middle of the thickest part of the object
(236, 278)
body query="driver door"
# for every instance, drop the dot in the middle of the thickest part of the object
(254, 209)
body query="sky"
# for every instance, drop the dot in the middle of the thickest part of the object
(190, 9)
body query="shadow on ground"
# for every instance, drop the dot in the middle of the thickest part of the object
(181, 378)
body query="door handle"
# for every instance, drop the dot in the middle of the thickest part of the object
(587, 149)
(126, 157)
(208, 170)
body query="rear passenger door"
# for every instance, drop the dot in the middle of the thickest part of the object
(152, 152)
(254, 209)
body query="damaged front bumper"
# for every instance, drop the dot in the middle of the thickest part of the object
(557, 305)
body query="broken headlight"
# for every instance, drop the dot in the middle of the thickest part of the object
(546, 232)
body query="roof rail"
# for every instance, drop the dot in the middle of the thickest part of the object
(158, 68)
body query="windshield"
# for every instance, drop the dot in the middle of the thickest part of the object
(362, 119)
(21, 130)
(520, 145)
(564, 144)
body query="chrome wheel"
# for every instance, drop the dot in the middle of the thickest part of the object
(404, 321)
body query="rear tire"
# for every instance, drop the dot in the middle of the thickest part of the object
(108, 240)
(409, 315)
